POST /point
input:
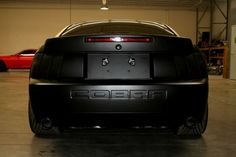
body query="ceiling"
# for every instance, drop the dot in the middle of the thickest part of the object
(185, 3)
(189, 4)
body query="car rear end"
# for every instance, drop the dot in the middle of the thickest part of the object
(119, 78)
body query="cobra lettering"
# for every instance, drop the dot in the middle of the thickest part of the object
(118, 94)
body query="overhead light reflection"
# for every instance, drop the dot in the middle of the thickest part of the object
(104, 5)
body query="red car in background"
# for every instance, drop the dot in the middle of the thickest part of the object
(21, 60)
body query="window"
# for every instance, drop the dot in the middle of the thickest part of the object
(118, 28)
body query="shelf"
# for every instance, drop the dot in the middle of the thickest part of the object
(222, 56)
(216, 57)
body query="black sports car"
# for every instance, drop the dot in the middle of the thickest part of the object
(113, 73)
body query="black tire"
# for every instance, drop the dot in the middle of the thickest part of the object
(3, 66)
(192, 127)
(37, 127)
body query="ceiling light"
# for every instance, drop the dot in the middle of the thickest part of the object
(104, 5)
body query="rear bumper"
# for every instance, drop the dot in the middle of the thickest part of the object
(85, 103)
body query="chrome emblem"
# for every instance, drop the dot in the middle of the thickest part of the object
(132, 61)
(105, 61)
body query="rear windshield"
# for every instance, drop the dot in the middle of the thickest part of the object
(118, 28)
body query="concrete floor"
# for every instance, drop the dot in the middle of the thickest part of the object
(16, 139)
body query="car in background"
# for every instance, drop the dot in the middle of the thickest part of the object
(112, 73)
(21, 60)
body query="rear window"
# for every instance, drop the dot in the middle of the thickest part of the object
(118, 28)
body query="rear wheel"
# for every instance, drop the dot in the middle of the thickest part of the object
(192, 127)
(43, 127)
(3, 66)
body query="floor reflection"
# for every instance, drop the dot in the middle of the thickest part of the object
(118, 142)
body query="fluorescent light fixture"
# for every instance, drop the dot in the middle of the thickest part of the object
(104, 8)
(104, 5)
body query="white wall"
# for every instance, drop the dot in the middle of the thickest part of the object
(27, 25)
(232, 73)
(233, 4)
(219, 18)
(233, 53)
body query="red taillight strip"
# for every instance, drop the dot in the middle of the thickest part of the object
(118, 39)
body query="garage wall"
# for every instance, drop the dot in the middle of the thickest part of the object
(27, 25)
(219, 18)
(232, 28)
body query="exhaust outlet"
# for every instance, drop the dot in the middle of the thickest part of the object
(46, 123)
(191, 122)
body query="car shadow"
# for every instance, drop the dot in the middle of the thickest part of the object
(118, 142)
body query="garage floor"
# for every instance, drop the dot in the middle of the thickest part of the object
(16, 139)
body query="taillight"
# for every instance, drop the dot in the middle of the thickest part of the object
(118, 39)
